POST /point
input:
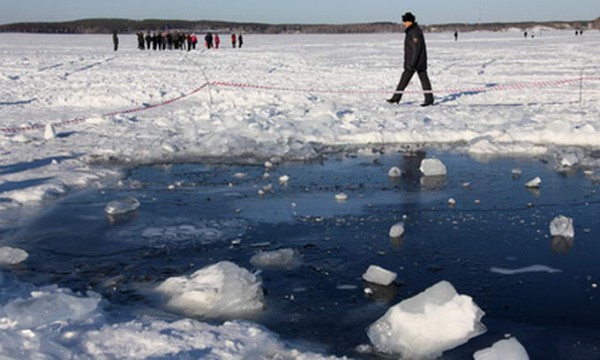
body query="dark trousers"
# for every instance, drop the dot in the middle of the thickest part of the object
(405, 79)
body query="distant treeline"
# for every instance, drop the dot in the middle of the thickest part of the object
(104, 26)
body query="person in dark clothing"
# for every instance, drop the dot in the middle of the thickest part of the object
(415, 60)
(115, 41)
(140, 40)
(240, 41)
(208, 40)
(456, 36)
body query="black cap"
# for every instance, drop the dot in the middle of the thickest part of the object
(408, 17)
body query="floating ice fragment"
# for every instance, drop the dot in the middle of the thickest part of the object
(427, 324)
(569, 160)
(284, 259)
(397, 230)
(122, 206)
(341, 197)
(562, 226)
(534, 184)
(269, 165)
(12, 256)
(283, 180)
(433, 167)
(395, 172)
(49, 132)
(532, 268)
(220, 290)
(451, 202)
(379, 275)
(503, 350)
(240, 175)
(517, 172)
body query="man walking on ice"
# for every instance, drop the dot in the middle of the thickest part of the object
(415, 60)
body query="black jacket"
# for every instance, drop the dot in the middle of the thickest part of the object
(415, 51)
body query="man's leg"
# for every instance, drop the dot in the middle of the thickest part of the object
(426, 87)
(404, 80)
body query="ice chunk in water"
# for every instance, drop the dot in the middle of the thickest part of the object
(285, 259)
(220, 290)
(397, 230)
(49, 305)
(427, 324)
(433, 167)
(395, 172)
(503, 350)
(379, 275)
(122, 206)
(534, 183)
(562, 226)
(12, 256)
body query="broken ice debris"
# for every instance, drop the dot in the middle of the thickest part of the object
(341, 197)
(284, 179)
(427, 324)
(394, 172)
(122, 206)
(379, 275)
(49, 132)
(12, 256)
(433, 167)
(451, 202)
(503, 350)
(222, 290)
(569, 160)
(397, 230)
(534, 184)
(562, 226)
(284, 259)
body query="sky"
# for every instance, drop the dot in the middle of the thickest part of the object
(303, 11)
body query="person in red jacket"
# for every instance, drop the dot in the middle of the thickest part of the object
(233, 40)
(217, 41)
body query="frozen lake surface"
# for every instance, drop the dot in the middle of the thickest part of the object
(193, 215)
(82, 126)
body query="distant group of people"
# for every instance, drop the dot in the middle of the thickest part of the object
(166, 41)
(177, 40)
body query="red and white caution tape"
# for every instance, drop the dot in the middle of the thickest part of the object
(490, 88)
(237, 85)
(80, 120)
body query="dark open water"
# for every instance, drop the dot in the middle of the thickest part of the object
(497, 222)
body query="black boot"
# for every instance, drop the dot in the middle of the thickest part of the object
(428, 100)
(394, 99)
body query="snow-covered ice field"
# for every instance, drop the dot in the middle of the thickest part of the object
(322, 92)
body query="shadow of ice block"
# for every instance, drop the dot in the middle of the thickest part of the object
(427, 324)
(562, 244)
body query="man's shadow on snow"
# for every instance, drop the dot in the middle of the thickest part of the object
(455, 96)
